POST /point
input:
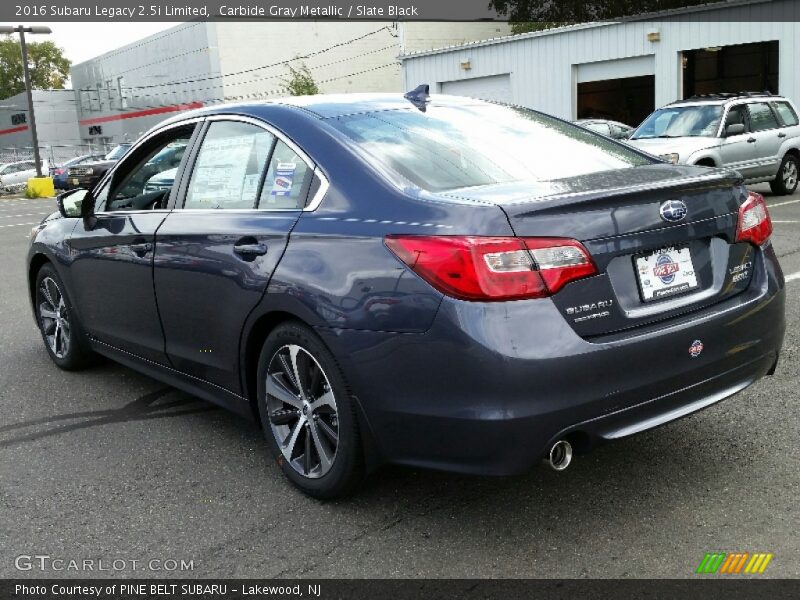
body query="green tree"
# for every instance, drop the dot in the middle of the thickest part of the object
(528, 26)
(49, 68)
(300, 82)
(581, 11)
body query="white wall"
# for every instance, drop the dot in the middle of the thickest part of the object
(543, 66)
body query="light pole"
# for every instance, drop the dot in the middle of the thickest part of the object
(21, 30)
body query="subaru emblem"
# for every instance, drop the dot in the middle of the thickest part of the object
(673, 211)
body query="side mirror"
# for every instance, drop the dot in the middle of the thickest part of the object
(75, 203)
(734, 129)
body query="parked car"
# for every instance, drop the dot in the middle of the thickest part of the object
(435, 282)
(612, 129)
(755, 133)
(86, 175)
(59, 173)
(14, 175)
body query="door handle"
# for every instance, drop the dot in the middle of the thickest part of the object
(751, 140)
(141, 248)
(781, 135)
(246, 250)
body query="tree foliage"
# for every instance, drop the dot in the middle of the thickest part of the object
(525, 12)
(48, 66)
(300, 82)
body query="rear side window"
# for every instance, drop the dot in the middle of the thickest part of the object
(287, 181)
(761, 117)
(786, 113)
(228, 169)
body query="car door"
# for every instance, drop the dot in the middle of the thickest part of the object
(216, 252)
(738, 151)
(112, 267)
(769, 137)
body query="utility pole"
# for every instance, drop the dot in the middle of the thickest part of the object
(21, 30)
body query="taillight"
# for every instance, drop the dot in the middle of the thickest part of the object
(755, 226)
(493, 268)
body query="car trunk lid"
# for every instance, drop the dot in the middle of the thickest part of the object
(650, 268)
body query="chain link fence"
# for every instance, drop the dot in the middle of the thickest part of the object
(53, 156)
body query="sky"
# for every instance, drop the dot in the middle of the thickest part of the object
(82, 41)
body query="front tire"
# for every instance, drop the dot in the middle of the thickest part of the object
(785, 181)
(61, 331)
(308, 414)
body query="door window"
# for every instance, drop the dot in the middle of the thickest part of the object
(287, 182)
(762, 117)
(786, 113)
(144, 179)
(737, 115)
(229, 166)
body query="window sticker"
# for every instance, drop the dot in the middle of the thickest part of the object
(284, 177)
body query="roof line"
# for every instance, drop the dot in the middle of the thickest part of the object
(580, 26)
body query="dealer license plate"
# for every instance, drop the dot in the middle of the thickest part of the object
(666, 272)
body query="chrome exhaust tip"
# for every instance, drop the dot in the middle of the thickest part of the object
(560, 455)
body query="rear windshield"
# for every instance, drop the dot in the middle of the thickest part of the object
(451, 147)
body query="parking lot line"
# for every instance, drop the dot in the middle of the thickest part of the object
(792, 277)
(782, 203)
(18, 224)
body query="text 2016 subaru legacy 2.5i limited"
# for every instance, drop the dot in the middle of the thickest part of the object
(428, 281)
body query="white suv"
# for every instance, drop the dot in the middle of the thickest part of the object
(758, 134)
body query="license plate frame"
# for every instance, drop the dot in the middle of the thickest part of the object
(661, 279)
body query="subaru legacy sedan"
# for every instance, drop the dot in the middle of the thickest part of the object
(436, 281)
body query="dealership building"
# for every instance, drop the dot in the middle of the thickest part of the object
(123, 93)
(623, 71)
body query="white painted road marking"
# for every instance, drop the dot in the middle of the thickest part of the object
(18, 224)
(783, 203)
(2, 216)
(792, 277)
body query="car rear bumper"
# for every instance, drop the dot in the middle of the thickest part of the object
(490, 387)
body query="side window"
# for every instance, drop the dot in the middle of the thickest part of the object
(228, 169)
(144, 179)
(786, 113)
(287, 182)
(737, 115)
(761, 117)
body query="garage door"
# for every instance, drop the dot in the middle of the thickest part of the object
(496, 87)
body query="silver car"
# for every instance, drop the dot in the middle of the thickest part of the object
(758, 134)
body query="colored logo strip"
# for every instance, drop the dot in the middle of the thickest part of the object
(734, 563)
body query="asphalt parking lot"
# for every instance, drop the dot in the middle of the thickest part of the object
(109, 464)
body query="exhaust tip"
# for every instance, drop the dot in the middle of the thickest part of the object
(560, 455)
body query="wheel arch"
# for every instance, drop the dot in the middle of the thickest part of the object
(706, 161)
(252, 342)
(37, 261)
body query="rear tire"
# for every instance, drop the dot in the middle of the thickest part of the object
(62, 333)
(308, 414)
(785, 181)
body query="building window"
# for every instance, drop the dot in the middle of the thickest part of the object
(123, 93)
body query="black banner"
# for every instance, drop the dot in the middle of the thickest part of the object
(546, 11)
(640, 589)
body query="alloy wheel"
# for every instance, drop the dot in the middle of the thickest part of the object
(302, 411)
(54, 317)
(790, 174)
